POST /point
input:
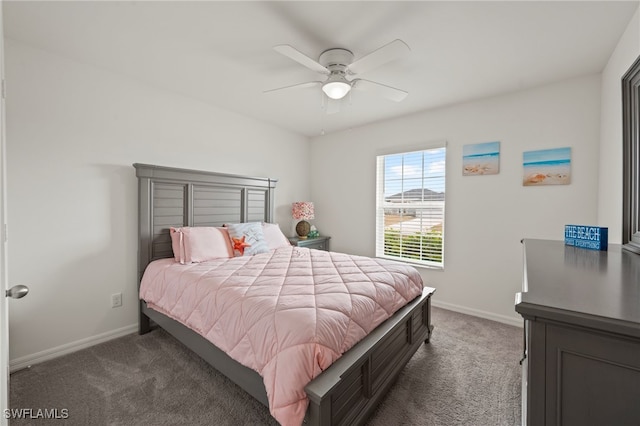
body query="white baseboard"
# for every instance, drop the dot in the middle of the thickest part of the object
(478, 313)
(46, 355)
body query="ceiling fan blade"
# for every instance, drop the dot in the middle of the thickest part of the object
(387, 53)
(379, 89)
(296, 86)
(300, 58)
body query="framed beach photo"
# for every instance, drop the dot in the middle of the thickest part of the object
(481, 159)
(546, 167)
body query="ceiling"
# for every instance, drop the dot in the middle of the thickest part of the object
(222, 52)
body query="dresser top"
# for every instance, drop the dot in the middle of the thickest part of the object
(598, 285)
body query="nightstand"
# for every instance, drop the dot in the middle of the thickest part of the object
(318, 243)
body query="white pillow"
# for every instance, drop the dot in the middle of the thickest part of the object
(274, 236)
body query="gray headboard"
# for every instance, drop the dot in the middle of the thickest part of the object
(171, 197)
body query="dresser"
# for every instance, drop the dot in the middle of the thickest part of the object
(581, 362)
(318, 243)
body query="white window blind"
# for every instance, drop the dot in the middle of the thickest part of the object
(410, 201)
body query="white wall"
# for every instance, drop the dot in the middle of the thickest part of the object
(73, 132)
(486, 216)
(610, 184)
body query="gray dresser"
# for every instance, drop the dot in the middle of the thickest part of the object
(581, 308)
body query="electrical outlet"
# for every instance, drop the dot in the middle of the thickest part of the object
(116, 300)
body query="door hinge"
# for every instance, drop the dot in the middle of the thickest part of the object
(4, 233)
(3, 89)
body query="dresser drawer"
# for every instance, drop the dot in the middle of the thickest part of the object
(318, 243)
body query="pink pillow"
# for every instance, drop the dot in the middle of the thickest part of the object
(177, 244)
(274, 236)
(200, 243)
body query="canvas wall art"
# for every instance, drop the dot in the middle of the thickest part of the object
(546, 167)
(481, 159)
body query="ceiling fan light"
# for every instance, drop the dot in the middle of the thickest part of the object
(336, 89)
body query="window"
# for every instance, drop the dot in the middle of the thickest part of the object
(631, 158)
(410, 198)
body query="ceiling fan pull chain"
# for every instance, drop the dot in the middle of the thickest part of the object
(323, 112)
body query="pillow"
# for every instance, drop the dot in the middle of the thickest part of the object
(177, 244)
(247, 239)
(200, 243)
(274, 236)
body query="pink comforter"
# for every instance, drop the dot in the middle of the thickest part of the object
(287, 314)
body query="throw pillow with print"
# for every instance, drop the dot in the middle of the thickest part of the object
(247, 239)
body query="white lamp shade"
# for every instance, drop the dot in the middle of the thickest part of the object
(336, 89)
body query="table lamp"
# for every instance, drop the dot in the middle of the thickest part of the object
(302, 211)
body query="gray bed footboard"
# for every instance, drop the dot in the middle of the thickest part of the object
(349, 391)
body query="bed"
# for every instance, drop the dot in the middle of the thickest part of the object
(346, 392)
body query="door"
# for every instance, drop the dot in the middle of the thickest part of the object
(4, 301)
(14, 292)
(17, 291)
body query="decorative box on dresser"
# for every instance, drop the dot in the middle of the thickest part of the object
(318, 243)
(581, 363)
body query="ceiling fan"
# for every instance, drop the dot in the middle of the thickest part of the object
(340, 68)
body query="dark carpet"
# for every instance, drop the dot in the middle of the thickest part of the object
(468, 375)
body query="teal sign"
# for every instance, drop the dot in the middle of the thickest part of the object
(589, 237)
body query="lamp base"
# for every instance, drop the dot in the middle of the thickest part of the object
(302, 229)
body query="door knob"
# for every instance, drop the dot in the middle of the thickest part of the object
(17, 291)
